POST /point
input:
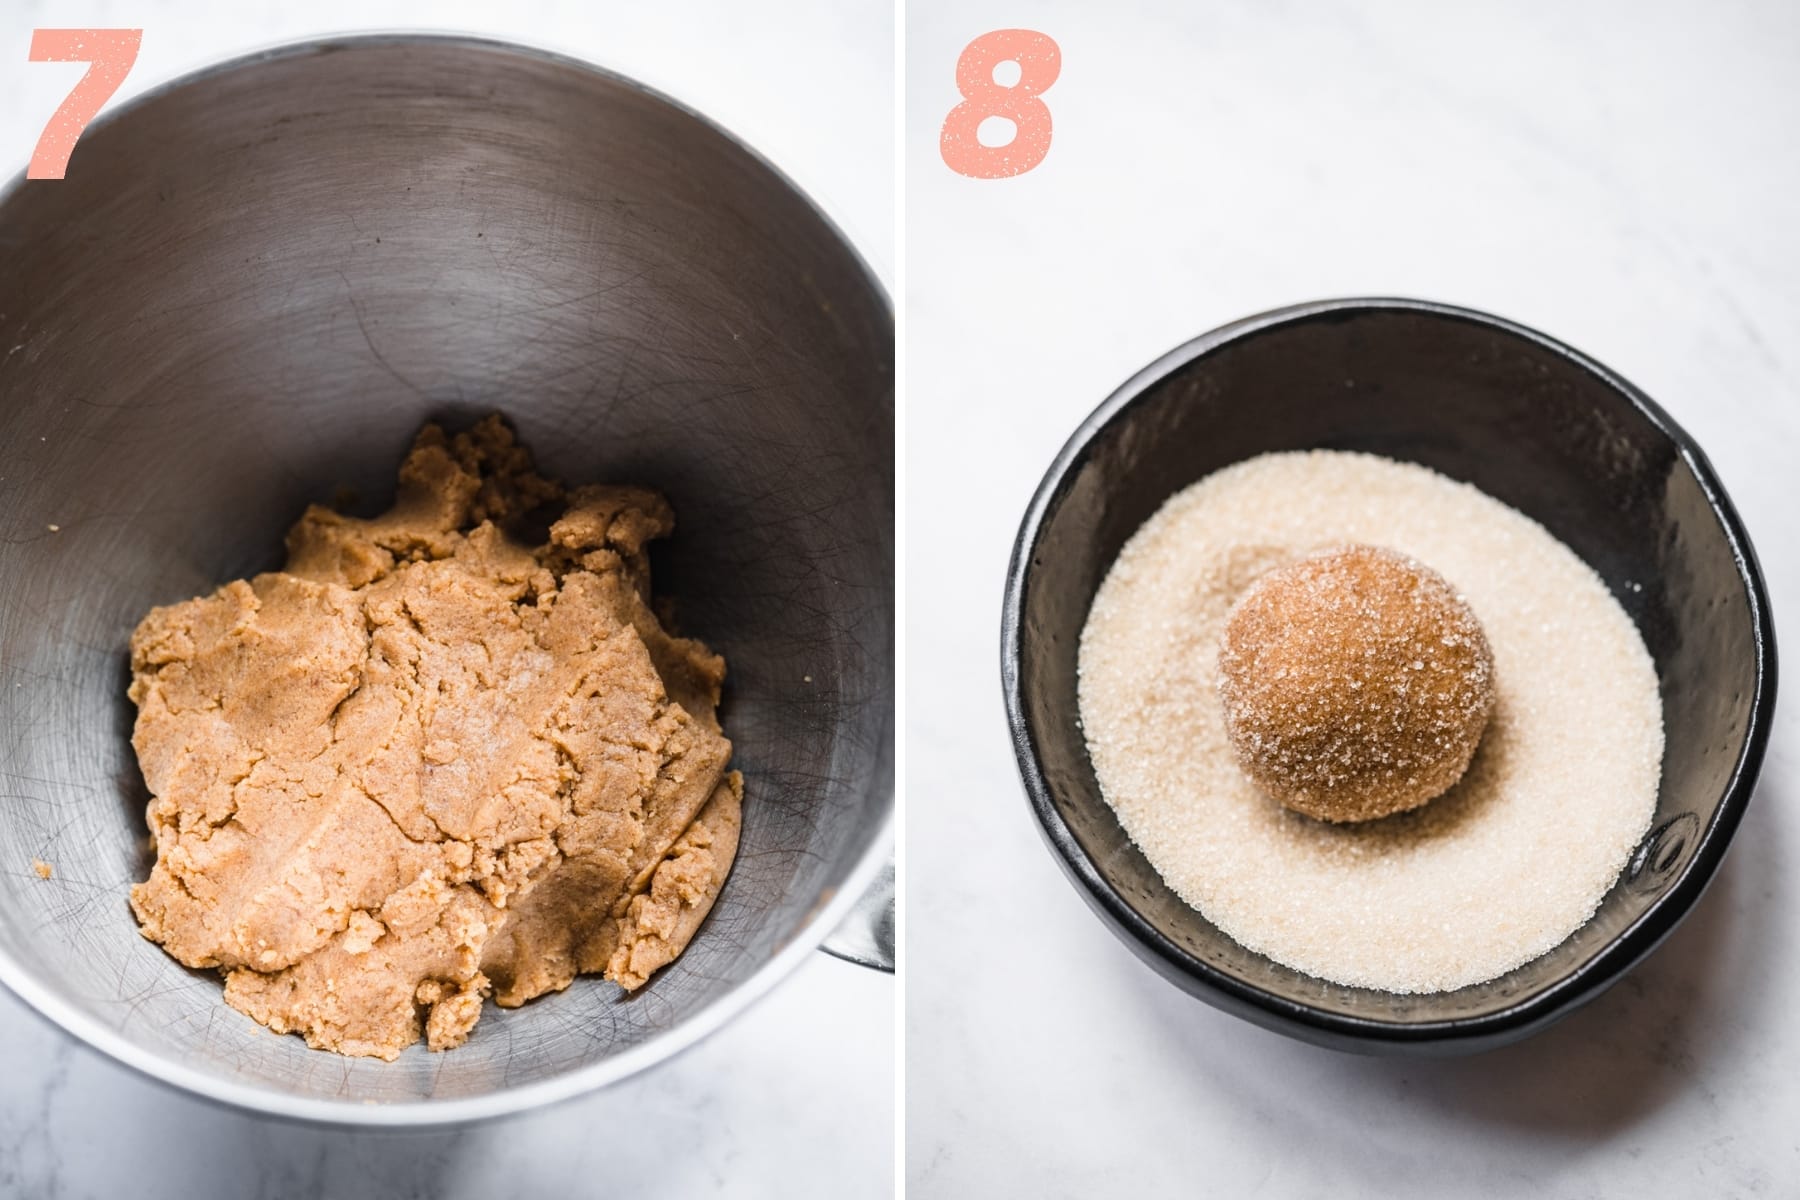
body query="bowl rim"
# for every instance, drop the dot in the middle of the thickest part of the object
(1308, 1022)
(509, 1099)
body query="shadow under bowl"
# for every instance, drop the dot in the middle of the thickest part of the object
(1530, 422)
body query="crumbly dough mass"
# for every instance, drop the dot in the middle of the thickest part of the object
(426, 763)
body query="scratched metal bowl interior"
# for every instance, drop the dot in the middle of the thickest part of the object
(248, 294)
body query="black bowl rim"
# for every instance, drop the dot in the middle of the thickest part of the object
(1589, 978)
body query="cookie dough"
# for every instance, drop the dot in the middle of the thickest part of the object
(1356, 683)
(427, 763)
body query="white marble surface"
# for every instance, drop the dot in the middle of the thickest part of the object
(1621, 174)
(796, 1099)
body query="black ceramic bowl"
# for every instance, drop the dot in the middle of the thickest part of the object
(1528, 421)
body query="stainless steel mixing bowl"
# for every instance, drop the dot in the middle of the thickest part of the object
(253, 287)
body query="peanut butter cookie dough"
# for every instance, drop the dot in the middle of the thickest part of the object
(425, 763)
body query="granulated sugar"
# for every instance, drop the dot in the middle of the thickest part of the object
(1493, 873)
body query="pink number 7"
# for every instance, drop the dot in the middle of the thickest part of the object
(110, 53)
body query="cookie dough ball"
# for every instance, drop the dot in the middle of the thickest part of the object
(1356, 683)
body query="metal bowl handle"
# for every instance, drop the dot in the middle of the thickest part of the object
(867, 935)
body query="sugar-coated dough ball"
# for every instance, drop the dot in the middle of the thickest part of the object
(1356, 683)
